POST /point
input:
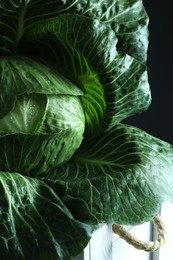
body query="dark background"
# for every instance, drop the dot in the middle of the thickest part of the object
(157, 120)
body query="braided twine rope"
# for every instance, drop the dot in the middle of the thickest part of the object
(139, 244)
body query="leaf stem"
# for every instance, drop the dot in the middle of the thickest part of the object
(20, 27)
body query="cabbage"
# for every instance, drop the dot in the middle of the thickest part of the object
(70, 73)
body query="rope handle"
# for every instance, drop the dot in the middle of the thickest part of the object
(139, 244)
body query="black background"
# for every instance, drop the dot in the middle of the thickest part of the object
(158, 119)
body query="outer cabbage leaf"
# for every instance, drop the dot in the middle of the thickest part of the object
(123, 177)
(35, 224)
(128, 19)
(92, 62)
(20, 75)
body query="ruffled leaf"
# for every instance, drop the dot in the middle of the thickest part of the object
(123, 177)
(35, 223)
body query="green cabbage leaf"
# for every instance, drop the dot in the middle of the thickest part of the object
(34, 221)
(123, 177)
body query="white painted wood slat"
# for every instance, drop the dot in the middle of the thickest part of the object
(166, 252)
(106, 245)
